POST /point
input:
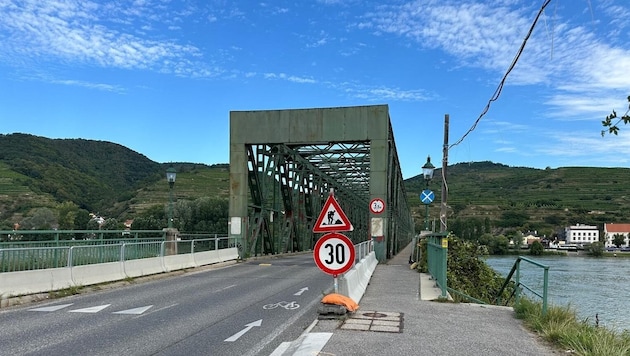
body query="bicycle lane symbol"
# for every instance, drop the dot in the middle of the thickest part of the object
(286, 305)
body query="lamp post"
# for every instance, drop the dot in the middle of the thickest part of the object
(427, 196)
(171, 174)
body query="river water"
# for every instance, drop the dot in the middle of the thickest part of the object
(588, 285)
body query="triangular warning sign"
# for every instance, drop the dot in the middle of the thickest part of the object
(332, 218)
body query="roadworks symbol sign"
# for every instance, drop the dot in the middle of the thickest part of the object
(332, 218)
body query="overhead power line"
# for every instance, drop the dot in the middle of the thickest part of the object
(499, 89)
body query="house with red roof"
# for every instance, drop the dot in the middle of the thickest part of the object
(610, 230)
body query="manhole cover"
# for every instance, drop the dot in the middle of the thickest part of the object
(374, 315)
(374, 321)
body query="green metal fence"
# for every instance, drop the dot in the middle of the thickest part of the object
(516, 273)
(17, 255)
(437, 252)
(39, 238)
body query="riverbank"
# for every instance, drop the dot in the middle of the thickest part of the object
(594, 287)
(561, 328)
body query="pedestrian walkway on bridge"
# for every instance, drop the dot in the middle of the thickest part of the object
(395, 318)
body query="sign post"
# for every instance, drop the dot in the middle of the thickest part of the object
(333, 253)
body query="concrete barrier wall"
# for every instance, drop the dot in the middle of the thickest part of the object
(228, 254)
(95, 274)
(177, 262)
(143, 267)
(46, 280)
(354, 282)
(210, 257)
(37, 281)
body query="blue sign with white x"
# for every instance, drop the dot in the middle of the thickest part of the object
(427, 196)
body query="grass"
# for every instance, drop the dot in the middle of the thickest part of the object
(61, 293)
(561, 328)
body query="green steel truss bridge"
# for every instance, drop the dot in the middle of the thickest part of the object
(285, 163)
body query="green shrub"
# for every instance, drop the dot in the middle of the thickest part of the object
(537, 249)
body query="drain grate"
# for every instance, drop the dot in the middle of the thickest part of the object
(389, 322)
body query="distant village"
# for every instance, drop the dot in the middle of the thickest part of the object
(616, 237)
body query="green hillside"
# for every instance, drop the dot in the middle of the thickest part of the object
(114, 181)
(193, 181)
(546, 199)
(93, 174)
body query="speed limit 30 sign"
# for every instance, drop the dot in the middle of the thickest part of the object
(334, 253)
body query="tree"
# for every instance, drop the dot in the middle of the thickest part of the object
(612, 127)
(499, 245)
(536, 249)
(67, 213)
(618, 239)
(154, 216)
(517, 239)
(41, 219)
(112, 224)
(81, 219)
(146, 223)
(596, 249)
(93, 225)
(513, 218)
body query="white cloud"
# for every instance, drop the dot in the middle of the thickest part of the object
(82, 32)
(608, 150)
(383, 93)
(290, 78)
(574, 59)
(98, 86)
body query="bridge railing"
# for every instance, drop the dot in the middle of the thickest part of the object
(33, 255)
(362, 249)
(38, 238)
(516, 273)
(437, 248)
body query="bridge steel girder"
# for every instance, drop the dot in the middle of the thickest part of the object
(284, 163)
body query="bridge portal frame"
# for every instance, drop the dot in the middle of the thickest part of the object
(300, 155)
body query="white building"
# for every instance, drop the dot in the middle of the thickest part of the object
(610, 230)
(581, 234)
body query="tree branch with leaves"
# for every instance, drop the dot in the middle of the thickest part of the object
(613, 128)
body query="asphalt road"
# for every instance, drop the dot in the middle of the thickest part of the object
(244, 309)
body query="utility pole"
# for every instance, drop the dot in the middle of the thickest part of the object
(443, 227)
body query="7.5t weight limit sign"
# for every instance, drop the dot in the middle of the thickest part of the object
(334, 253)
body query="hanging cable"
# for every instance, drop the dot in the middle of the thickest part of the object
(497, 92)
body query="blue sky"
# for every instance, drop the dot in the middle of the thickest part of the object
(161, 76)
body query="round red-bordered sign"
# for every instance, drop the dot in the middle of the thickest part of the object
(377, 206)
(334, 253)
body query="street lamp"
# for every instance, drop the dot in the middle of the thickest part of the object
(427, 195)
(171, 174)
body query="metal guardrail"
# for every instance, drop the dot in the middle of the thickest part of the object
(362, 249)
(437, 248)
(43, 257)
(517, 290)
(38, 238)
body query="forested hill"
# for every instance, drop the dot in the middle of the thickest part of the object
(528, 198)
(92, 174)
(110, 179)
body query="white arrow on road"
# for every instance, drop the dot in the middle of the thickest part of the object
(134, 311)
(301, 291)
(90, 309)
(53, 308)
(242, 332)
